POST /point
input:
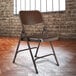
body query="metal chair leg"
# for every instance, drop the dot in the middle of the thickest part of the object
(37, 49)
(16, 52)
(54, 54)
(32, 57)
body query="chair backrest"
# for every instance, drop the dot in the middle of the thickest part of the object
(30, 17)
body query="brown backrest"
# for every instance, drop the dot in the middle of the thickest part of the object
(30, 17)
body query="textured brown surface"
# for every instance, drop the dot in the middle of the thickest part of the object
(10, 24)
(65, 50)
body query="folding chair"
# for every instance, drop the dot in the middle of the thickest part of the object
(32, 18)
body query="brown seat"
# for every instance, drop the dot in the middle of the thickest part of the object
(43, 38)
(32, 18)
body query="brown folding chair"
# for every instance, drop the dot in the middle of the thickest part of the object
(32, 18)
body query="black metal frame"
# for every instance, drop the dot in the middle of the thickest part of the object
(27, 39)
(36, 57)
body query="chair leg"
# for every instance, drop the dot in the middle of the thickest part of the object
(37, 49)
(16, 52)
(32, 57)
(54, 54)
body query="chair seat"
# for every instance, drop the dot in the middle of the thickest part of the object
(43, 38)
